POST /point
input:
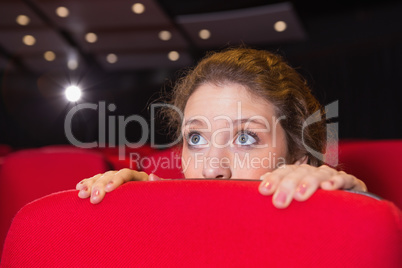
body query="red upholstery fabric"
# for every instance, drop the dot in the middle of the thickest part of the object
(122, 157)
(377, 163)
(204, 223)
(29, 174)
(5, 149)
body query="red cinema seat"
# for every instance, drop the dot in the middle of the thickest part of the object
(204, 223)
(5, 149)
(29, 174)
(377, 163)
(122, 156)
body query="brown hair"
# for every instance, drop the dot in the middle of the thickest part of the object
(267, 75)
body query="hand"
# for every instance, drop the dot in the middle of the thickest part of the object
(299, 182)
(96, 186)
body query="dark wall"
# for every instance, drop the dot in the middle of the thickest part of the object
(352, 56)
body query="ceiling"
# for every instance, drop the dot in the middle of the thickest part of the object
(162, 34)
(338, 44)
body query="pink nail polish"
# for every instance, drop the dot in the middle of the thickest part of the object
(95, 193)
(302, 189)
(280, 198)
(267, 185)
(109, 185)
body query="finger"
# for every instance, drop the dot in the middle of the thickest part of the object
(113, 179)
(85, 182)
(153, 177)
(287, 187)
(307, 186)
(85, 186)
(122, 176)
(268, 184)
(344, 181)
(97, 190)
(312, 180)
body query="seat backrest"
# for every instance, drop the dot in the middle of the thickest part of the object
(32, 173)
(124, 156)
(5, 149)
(204, 223)
(377, 163)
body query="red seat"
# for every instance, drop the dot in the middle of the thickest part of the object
(377, 163)
(204, 223)
(5, 149)
(122, 157)
(29, 174)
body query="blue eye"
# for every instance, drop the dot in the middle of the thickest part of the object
(196, 139)
(245, 139)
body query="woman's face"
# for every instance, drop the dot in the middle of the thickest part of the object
(230, 133)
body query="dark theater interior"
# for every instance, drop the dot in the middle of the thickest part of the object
(81, 86)
(348, 50)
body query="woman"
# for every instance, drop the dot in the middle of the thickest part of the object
(244, 111)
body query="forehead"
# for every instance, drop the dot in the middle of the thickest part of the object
(230, 100)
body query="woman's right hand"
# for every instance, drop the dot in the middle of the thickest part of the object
(96, 186)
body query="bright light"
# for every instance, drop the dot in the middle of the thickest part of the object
(173, 55)
(62, 12)
(49, 55)
(73, 93)
(165, 35)
(280, 26)
(29, 40)
(23, 20)
(138, 8)
(72, 64)
(111, 58)
(91, 37)
(204, 34)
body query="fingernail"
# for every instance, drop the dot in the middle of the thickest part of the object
(302, 189)
(280, 198)
(95, 193)
(267, 185)
(108, 185)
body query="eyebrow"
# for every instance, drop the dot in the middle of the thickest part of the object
(194, 121)
(235, 122)
(248, 120)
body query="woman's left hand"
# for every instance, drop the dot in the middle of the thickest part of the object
(299, 182)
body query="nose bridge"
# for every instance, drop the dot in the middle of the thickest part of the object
(218, 163)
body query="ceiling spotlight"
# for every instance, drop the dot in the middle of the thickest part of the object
(165, 35)
(111, 58)
(72, 64)
(73, 93)
(138, 8)
(49, 56)
(91, 37)
(173, 55)
(280, 26)
(29, 40)
(62, 12)
(22, 20)
(204, 34)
